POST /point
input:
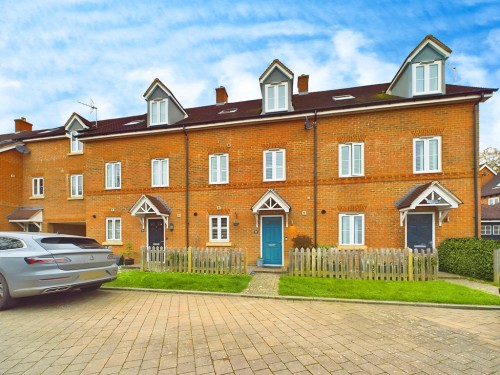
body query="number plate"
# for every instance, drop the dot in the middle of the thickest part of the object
(92, 275)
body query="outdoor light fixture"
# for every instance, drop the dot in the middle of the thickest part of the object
(171, 227)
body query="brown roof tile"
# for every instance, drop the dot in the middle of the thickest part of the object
(492, 187)
(159, 204)
(23, 213)
(490, 212)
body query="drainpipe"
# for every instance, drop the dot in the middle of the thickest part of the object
(476, 172)
(186, 138)
(315, 160)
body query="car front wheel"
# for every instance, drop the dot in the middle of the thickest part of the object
(6, 300)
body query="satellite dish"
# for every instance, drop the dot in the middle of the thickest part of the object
(23, 149)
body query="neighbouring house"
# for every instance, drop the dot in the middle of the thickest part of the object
(490, 203)
(384, 165)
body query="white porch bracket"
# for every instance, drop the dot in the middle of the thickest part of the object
(402, 218)
(442, 216)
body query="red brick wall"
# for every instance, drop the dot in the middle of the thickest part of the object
(51, 160)
(11, 175)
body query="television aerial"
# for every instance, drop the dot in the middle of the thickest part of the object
(92, 107)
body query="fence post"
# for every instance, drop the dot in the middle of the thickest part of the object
(496, 265)
(410, 265)
(189, 259)
(143, 253)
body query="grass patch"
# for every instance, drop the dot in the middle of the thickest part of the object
(182, 281)
(438, 291)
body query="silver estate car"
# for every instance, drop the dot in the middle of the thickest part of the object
(41, 263)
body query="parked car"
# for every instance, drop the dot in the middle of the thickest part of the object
(42, 263)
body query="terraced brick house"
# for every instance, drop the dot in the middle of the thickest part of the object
(385, 165)
(490, 203)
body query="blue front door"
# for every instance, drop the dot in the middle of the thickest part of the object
(272, 240)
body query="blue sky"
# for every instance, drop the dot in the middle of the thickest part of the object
(55, 53)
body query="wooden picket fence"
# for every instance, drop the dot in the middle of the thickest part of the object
(368, 264)
(193, 260)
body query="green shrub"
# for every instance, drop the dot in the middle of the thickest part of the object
(470, 257)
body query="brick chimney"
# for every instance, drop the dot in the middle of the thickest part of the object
(22, 125)
(303, 84)
(221, 95)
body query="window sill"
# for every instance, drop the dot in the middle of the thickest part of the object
(218, 244)
(113, 188)
(427, 172)
(159, 186)
(75, 198)
(112, 243)
(274, 180)
(39, 197)
(218, 183)
(353, 176)
(349, 247)
(75, 153)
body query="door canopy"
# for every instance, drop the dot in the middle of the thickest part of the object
(431, 194)
(270, 201)
(24, 216)
(147, 206)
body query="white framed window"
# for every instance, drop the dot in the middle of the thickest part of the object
(159, 173)
(76, 145)
(113, 229)
(427, 155)
(427, 78)
(113, 175)
(351, 159)
(486, 230)
(219, 168)
(37, 187)
(76, 185)
(274, 165)
(496, 230)
(158, 112)
(219, 228)
(494, 200)
(351, 229)
(276, 97)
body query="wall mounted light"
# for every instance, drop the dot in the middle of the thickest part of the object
(171, 227)
(236, 222)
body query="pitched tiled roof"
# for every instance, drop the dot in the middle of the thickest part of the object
(411, 195)
(23, 213)
(492, 187)
(159, 204)
(364, 96)
(490, 212)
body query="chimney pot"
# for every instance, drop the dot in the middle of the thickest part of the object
(21, 125)
(303, 84)
(221, 96)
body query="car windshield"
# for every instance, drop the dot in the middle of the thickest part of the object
(54, 243)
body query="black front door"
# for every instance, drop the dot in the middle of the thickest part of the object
(419, 231)
(156, 232)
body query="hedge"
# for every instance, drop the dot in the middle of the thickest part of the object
(470, 257)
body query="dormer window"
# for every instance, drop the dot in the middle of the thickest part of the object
(276, 97)
(427, 78)
(158, 112)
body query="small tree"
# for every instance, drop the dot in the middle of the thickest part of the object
(491, 156)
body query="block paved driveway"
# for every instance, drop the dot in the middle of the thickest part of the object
(128, 332)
